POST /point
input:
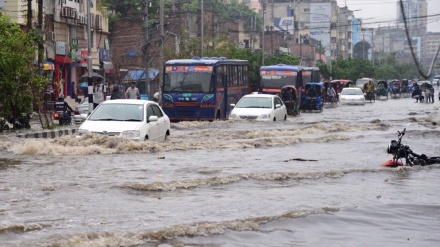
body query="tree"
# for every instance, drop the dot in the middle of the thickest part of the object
(360, 50)
(19, 82)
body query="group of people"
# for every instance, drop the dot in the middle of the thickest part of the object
(423, 95)
(118, 92)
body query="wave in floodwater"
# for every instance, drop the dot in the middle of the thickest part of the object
(97, 239)
(188, 139)
(276, 176)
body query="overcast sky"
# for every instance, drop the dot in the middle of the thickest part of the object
(383, 12)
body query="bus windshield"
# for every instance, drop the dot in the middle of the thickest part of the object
(193, 79)
(277, 79)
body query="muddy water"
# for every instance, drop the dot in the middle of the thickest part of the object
(313, 180)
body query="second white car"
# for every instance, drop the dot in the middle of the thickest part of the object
(352, 96)
(265, 107)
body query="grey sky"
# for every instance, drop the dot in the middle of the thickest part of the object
(383, 12)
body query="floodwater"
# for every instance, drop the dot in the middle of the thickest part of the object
(314, 180)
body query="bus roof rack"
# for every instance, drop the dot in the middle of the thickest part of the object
(196, 58)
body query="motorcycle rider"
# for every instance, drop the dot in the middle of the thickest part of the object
(61, 108)
(331, 93)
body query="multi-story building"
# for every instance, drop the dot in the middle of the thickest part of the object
(18, 10)
(430, 44)
(416, 12)
(67, 41)
(319, 20)
(66, 38)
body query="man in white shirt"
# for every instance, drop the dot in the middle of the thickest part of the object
(99, 93)
(132, 92)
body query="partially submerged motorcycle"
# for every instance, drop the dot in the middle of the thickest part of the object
(400, 151)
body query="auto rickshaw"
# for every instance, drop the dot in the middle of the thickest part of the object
(382, 89)
(342, 83)
(337, 85)
(313, 98)
(289, 95)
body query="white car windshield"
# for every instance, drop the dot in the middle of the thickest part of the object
(351, 92)
(254, 102)
(118, 112)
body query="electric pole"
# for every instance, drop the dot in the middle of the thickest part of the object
(147, 66)
(29, 16)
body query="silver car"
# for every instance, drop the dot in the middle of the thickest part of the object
(81, 108)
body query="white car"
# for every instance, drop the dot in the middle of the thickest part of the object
(352, 96)
(132, 119)
(264, 107)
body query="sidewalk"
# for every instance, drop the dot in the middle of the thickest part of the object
(36, 131)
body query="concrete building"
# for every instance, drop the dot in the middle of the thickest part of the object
(64, 30)
(416, 12)
(430, 44)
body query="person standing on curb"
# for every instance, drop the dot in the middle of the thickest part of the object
(98, 93)
(132, 92)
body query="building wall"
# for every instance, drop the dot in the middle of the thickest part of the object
(415, 13)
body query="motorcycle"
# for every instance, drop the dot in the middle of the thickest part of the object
(400, 151)
(63, 118)
(19, 122)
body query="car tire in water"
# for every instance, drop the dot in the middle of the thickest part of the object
(285, 117)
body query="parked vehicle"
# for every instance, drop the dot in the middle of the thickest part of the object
(132, 119)
(264, 107)
(404, 156)
(290, 97)
(5, 125)
(63, 119)
(436, 80)
(81, 108)
(313, 98)
(352, 96)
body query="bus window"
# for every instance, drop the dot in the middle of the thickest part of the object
(220, 77)
(240, 74)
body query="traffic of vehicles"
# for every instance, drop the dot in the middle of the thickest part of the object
(217, 88)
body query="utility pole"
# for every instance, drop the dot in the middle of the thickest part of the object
(40, 30)
(162, 35)
(89, 60)
(262, 39)
(202, 20)
(29, 15)
(147, 73)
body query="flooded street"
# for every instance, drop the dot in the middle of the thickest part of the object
(314, 180)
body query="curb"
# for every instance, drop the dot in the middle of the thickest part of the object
(48, 134)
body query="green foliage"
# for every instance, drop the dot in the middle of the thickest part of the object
(17, 54)
(282, 58)
(360, 50)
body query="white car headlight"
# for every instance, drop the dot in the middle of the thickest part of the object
(82, 132)
(131, 133)
(264, 116)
